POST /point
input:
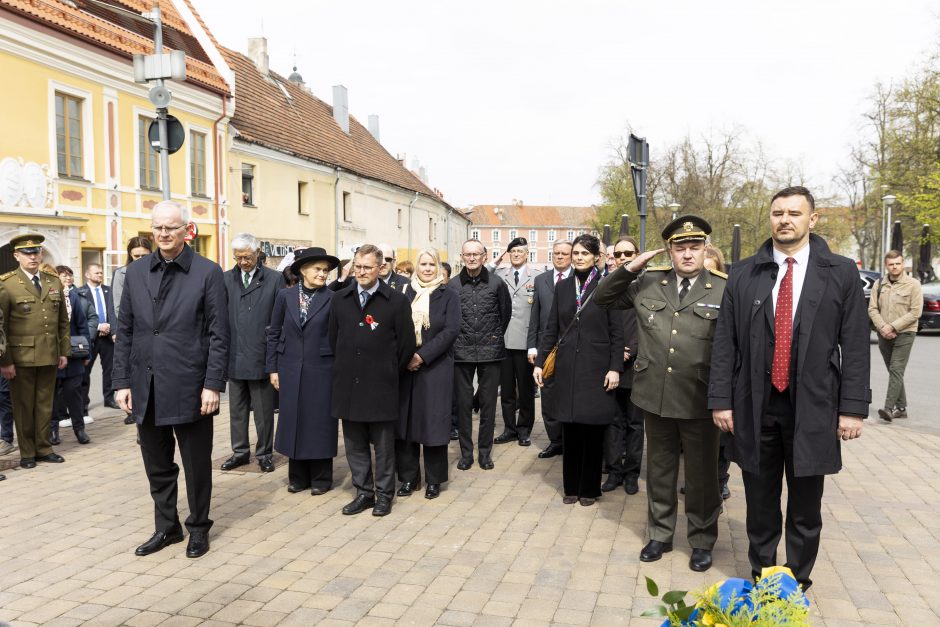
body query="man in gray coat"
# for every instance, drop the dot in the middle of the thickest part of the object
(251, 289)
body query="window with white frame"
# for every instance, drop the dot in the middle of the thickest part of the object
(533, 235)
(495, 254)
(149, 159)
(197, 163)
(248, 184)
(569, 235)
(513, 234)
(496, 235)
(475, 234)
(533, 256)
(551, 235)
(68, 135)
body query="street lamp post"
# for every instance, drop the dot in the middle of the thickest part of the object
(674, 207)
(886, 201)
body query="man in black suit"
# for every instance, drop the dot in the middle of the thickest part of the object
(541, 306)
(373, 339)
(98, 294)
(789, 378)
(387, 272)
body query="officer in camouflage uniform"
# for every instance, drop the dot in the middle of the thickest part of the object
(37, 328)
(676, 308)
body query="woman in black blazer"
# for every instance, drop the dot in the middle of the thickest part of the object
(427, 390)
(587, 371)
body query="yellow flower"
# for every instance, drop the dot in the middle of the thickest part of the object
(769, 571)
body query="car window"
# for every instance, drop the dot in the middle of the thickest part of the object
(932, 289)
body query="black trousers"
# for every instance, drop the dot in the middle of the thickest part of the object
(311, 473)
(488, 374)
(553, 427)
(407, 462)
(102, 347)
(157, 447)
(583, 459)
(245, 397)
(763, 489)
(517, 392)
(68, 402)
(360, 438)
(623, 439)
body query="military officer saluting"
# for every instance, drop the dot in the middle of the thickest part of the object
(676, 308)
(37, 328)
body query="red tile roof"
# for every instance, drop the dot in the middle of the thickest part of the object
(303, 126)
(531, 216)
(120, 33)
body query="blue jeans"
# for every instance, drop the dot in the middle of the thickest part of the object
(6, 412)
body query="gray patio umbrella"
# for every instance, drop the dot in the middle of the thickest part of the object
(924, 261)
(897, 238)
(736, 244)
(624, 225)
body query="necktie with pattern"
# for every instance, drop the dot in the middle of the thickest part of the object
(38, 286)
(558, 278)
(364, 298)
(246, 279)
(686, 284)
(783, 331)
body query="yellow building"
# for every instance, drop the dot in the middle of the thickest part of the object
(75, 162)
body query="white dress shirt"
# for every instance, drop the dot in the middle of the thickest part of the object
(679, 283)
(801, 258)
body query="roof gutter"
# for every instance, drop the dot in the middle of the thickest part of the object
(411, 206)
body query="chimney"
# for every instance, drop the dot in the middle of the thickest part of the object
(341, 107)
(374, 127)
(258, 53)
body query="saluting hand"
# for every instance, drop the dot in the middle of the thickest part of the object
(644, 258)
(723, 419)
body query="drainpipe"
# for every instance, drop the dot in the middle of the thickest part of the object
(337, 215)
(410, 207)
(218, 171)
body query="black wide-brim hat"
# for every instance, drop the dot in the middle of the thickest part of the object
(303, 256)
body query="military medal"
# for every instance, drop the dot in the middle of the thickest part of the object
(650, 319)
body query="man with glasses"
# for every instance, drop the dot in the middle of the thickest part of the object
(542, 299)
(485, 312)
(387, 274)
(251, 290)
(170, 366)
(36, 322)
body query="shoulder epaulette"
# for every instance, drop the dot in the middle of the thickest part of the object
(659, 269)
(7, 275)
(50, 273)
(719, 273)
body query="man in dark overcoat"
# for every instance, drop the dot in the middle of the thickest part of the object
(171, 362)
(251, 289)
(373, 339)
(789, 378)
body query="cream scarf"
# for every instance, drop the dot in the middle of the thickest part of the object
(421, 305)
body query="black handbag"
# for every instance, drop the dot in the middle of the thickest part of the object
(81, 347)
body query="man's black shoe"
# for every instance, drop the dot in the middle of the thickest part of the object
(725, 492)
(294, 488)
(266, 463)
(112, 404)
(433, 491)
(234, 462)
(454, 434)
(81, 436)
(129, 419)
(2, 477)
(51, 458)
(701, 560)
(631, 485)
(319, 491)
(486, 464)
(465, 464)
(28, 462)
(54, 438)
(383, 506)
(198, 544)
(504, 437)
(654, 550)
(359, 504)
(612, 483)
(550, 451)
(525, 440)
(159, 540)
(408, 487)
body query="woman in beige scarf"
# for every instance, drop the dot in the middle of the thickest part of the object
(427, 392)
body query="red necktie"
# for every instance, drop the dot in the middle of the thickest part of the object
(783, 330)
(558, 279)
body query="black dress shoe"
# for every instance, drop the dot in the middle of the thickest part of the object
(28, 462)
(408, 487)
(234, 462)
(294, 488)
(701, 560)
(505, 437)
(112, 405)
(82, 437)
(465, 464)
(129, 419)
(359, 504)
(654, 550)
(725, 492)
(433, 491)
(486, 464)
(550, 451)
(383, 506)
(54, 439)
(454, 435)
(2, 477)
(266, 463)
(525, 440)
(631, 485)
(51, 458)
(611, 483)
(198, 544)
(319, 491)
(159, 540)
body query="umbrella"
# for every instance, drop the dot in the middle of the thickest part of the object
(624, 225)
(736, 244)
(924, 262)
(897, 239)
(606, 238)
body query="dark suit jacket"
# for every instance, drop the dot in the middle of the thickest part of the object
(86, 293)
(174, 334)
(249, 313)
(78, 326)
(541, 306)
(830, 365)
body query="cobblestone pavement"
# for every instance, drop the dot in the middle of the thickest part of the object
(497, 548)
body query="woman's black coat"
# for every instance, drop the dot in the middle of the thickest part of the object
(303, 360)
(592, 347)
(78, 325)
(426, 396)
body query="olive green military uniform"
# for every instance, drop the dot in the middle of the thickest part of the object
(670, 385)
(37, 330)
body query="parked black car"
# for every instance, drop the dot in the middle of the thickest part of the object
(868, 278)
(930, 318)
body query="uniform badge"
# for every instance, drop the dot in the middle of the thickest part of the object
(650, 319)
(531, 300)
(27, 308)
(687, 226)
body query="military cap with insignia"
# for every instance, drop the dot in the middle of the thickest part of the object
(519, 241)
(686, 229)
(27, 243)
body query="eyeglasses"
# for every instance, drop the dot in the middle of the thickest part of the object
(472, 255)
(624, 253)
(389, 259)
(363, 269)
(165, 230)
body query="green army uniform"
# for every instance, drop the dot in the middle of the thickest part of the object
(37, 330)
(670, 385)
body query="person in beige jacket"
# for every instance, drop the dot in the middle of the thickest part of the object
(895, 307)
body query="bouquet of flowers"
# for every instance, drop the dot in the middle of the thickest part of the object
(775, 599)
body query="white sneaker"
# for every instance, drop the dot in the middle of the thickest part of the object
(6, 447)
(89, 420)
(65, 423)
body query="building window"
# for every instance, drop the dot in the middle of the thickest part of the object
(475, 234)
(68, 135)
(569, 235)
(201, 245)
(197, 163)
(148, 157)
(248, 185)
(495, 254)
(496, 235)
(533, 235)
(533, 254)
(513, 234)
(399, 217)
(430, 229)
(581, 232)
(347, 207)
(302, 207)
(551, 235)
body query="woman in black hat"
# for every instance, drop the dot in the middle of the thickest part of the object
(300, 363)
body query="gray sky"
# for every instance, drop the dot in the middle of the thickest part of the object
(523, 99)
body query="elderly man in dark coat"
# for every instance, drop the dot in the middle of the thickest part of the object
(373, 340)
(300, 363)
(170, 367)
(251, 289)
(789, 378)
